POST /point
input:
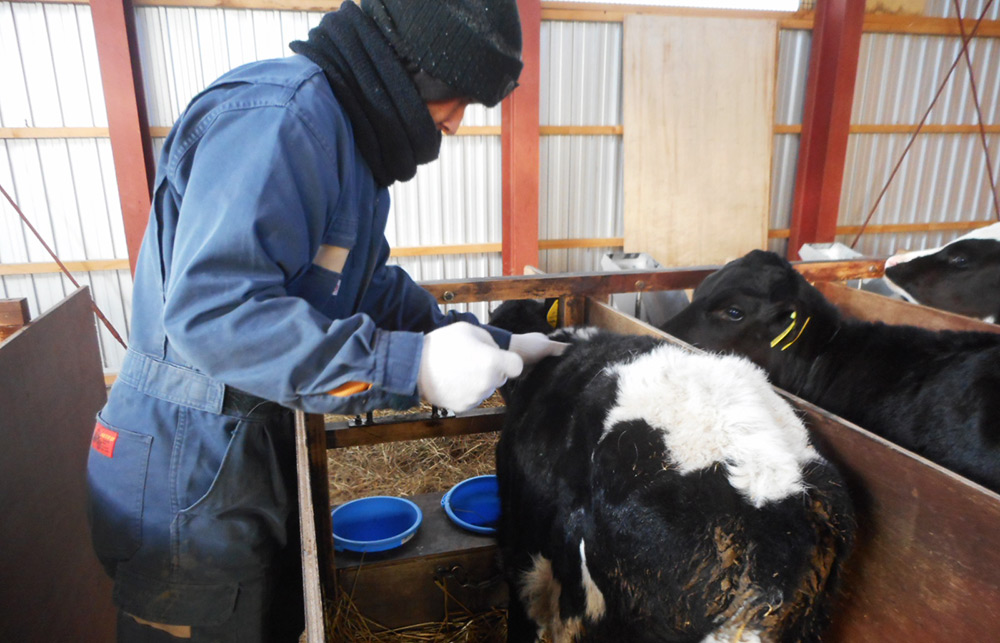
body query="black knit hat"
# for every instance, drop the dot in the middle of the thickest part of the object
(472, 46)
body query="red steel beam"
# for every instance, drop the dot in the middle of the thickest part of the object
(131, 147)
(833, 67)
(519, 145)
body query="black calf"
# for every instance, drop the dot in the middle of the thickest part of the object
(933, 393)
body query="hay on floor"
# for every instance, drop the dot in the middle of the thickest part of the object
(347, 623)
(410, 468)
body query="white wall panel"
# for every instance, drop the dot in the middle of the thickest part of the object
(970, 9)
(580, 193)
(184, 49)
(14, 108)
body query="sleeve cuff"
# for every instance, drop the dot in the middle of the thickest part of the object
(397, 356)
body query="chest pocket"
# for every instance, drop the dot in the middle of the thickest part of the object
(320, 283)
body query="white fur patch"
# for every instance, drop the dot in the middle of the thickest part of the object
(595, 599)
(582, 333)
(729, 636)
(986, 232)
(716, 409)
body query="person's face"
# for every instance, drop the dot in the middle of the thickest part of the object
(447, 114)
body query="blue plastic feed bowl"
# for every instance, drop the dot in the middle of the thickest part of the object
(474, 504)
(372, 524)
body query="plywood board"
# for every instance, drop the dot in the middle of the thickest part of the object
(51, 387)
(869, 306)
(698, 103)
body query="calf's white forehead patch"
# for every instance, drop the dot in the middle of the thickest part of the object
(715, 409)
(986, 232)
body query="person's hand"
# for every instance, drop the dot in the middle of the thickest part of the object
(461, 366)
(534, 347)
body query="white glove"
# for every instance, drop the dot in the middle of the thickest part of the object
(461, 366)
(534, 347)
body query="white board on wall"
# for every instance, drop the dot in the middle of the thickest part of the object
(698, 111)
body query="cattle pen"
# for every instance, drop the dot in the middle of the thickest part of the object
(926, 561)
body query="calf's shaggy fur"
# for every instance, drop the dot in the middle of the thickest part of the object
(650, 493)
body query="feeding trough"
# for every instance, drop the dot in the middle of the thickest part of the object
(474, 504)
(377, 523)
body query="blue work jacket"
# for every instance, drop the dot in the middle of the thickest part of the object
(190, 495)
(261, 171)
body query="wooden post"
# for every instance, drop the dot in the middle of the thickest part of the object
(14, 315)
(131, 147)
(833, 67)
(519, 144)
(318, 577)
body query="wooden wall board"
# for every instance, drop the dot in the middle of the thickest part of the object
(928, 555)
(51, 388)
(620, 281)
(869, 306)
(698, 107)
(314, 504)
(400, 587)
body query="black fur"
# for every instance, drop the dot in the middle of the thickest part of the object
(962, 277)
(669, 552)
(934, 393)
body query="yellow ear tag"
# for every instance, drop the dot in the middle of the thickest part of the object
(553, 315)
(777, 340)
(801, 330)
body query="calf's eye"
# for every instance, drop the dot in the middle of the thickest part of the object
(734, 314)
(958, 261)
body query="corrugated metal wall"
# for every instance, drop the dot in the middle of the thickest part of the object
(50, 78)
(944, 176)
(581, 176)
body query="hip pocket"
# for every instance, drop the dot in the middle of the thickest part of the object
(241, 517)
(116, 480)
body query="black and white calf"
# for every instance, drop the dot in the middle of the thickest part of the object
(650, 493)
(934, 393)
(962, 276)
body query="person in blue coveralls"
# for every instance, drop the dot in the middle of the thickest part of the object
(262, 286)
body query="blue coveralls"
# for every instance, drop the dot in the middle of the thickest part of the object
(191, 479)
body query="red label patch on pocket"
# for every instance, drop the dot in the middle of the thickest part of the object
(104, 440)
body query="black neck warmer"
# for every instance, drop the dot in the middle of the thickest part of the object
(392, 126)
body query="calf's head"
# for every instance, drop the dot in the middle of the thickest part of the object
(962, 277)
(757, 306)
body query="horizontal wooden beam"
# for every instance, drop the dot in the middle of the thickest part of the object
(412, 427)
(901, 24)
(456, 249)
(588, 12)
(581, 130)
(905, 128)
(899, 228)
(53, 132)
(598, 12)
(38, 268)
(544, 130)
(161, 132)
(475, 248)
(607, 283)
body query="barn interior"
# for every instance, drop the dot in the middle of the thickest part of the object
(645, 146)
